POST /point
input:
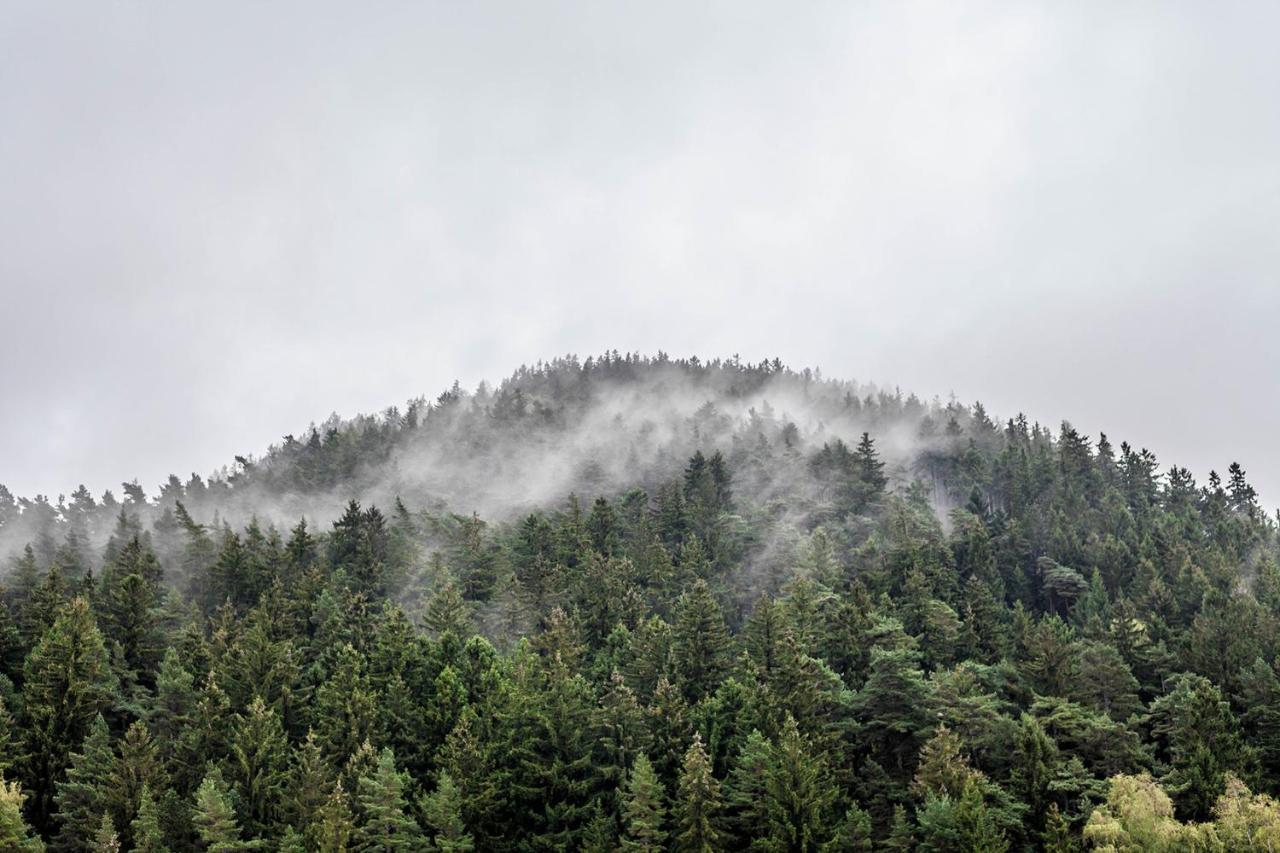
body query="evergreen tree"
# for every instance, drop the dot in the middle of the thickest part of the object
(644, 812)
(797, 794)
(442, 811)
(15, 835)
(215, 817)
(383, 824)
(68, 683)
(700, 642)
(697, 804)
(81, 798)
(332, 832)
(258, 765)
(105, 840)
(147, 834)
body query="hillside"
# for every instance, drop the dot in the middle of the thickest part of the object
(655, 603)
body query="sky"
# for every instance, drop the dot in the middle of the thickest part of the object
(222, 222)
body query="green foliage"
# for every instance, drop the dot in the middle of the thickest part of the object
(15, 835)
(382, 823)
(442, 813)
(644, 811)
(697, 803)
(732, 633)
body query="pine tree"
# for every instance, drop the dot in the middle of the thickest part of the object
(81, 798)
(383, 824)
(147, 834)
(257, 769)
(215, 818)
(442, 811)
(644, 812)
(700, 642)
(797, 794)
(698, 803)
(105, 840)
(68, 683)
(15, 835)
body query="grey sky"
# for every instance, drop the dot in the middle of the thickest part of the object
(222, 221)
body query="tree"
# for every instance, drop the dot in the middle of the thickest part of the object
(442, 810)
(135, 767)
(81, 798)
(697, 803)
(700, 642)
(644, 811)
(258, 765)
(892, 705)
(745, 791)
(1200, 742)
(383, 824)
(147, 834)
(215, 818)
(1136, 816)
(15, 835)
(68, 683)
(797, 794)
(105, 840)
(332, 832)
(128, 603)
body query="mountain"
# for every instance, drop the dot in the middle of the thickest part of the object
(648, 602)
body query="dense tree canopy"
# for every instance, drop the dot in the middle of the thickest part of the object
(872, 623)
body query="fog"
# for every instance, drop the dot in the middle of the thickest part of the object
(221, 225)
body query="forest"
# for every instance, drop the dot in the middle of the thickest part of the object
(648, 604)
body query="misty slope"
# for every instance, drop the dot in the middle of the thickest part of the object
(706, 602)
(597, 427)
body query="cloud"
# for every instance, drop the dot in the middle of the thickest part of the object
(223, 224)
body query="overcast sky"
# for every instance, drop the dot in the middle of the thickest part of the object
(222, 221)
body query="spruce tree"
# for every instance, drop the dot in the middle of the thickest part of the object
(147, 834)
(700, 642)
(81, 798)
(105, 840)
(331, 833)
(746, 804)
(15, 835)
(69, 682)
(697, 803)
(798, 794)
(442, 811)
(382, 823)
(644, 811)
(215, 818)
(258, 765)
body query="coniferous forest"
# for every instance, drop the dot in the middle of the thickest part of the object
(648, 604)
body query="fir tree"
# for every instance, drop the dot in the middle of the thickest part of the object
(442, 811)
(644, 812)
(697, 804)
(15, 835)
(383, 824)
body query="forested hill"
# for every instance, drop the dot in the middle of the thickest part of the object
(648, 604)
